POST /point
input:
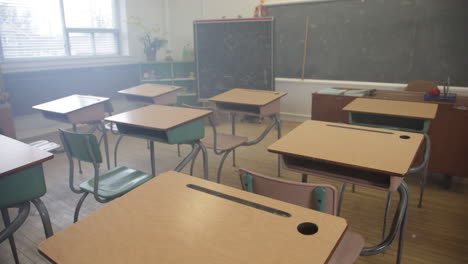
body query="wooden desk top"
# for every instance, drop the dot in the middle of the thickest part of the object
(70, 103)
(16, 156)
(372, 149)
(394, 108)
(158, 117)
(164, 221)
(248, 97)
(150, 90)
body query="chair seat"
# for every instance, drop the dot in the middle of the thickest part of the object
(348, 250)
(224, 141)
(116, 182)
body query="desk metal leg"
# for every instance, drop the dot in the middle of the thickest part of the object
(152, 158)
(398, 226)
(116, 148)
(79, 162)
(196, 147)
(11, 227)
(220, 168)
(205, 160)
(106, 144)
(233, 126)
(340, 199)
(11, 238)
(278, 120)
(387, 210)
(41, 208)
(193, 161)
(423, 184)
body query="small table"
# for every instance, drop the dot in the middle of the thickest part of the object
(78, 109)
(152, 94)
(183, 219)
(22, 178)
(166, 124)
(251, 102)
(372, 157)
(398, 115)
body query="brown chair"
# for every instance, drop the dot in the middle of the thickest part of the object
(302, 194)
(420, 86)
(222, 144)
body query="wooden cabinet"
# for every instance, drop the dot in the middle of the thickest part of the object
(448, 131)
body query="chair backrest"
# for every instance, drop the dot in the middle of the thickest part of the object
(320, 197)
(83, 147)
(420, 86)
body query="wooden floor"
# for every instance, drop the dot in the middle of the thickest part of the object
(437, 233)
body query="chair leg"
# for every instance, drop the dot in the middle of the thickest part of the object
(11, 239)
(41, 208)
(387, 210)
(304, 177)
(220, 168)
(233, 129)
(78, 207)
(178, 150)
(354, 188)
(340, 199)
(106, 144)
(116, 148)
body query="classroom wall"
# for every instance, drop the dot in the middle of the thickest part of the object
(296, 106)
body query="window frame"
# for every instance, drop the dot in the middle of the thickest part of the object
(116, 30)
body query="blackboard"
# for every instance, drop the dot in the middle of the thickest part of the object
(233, 53)
(392, 41)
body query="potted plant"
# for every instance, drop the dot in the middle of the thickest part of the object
(151, 40)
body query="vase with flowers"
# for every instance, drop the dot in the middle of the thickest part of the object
(151, 39)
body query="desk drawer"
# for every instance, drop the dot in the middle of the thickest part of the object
(22, 186)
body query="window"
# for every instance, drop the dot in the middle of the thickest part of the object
(58, 28)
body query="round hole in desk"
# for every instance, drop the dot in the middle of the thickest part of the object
(404, 137)
(307, 228)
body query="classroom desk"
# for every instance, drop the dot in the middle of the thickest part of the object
(152, 94)
(449, 144)
(373, 157)
(166, 124)
(78, 109)
(22, 177)
(251, 102)
(399, 115)
(175, 218)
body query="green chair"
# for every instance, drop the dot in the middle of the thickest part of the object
(104, 186)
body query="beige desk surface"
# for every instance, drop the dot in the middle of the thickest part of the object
(163, 221)
(394, 108)
(353, 146)
(158, 117)
(150, 90)
(248, 97)
(16, 156)
(70, 103)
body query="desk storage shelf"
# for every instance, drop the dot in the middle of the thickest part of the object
(389, 122)
(183, 134)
